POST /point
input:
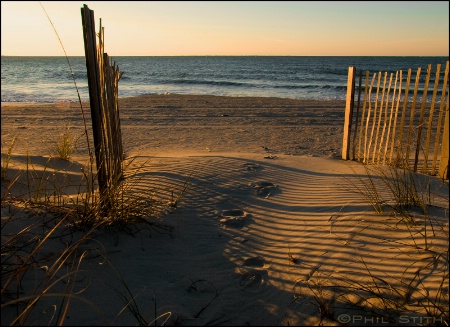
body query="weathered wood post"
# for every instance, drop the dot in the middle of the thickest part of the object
(103, 80)
(93, 73)
(350, 99)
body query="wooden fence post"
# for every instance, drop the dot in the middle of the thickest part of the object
(350, 99)
(90, 48)
(103, 81)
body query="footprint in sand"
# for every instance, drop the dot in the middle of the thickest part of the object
(254, 262)
(234, 217)
(253, 273)
(264, 189)
(251, 166)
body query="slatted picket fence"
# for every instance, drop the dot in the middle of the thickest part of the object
(389, 127)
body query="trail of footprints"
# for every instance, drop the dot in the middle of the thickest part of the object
(253, 273)
(238, 218)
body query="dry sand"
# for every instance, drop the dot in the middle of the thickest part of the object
(270, 231)
(198, 124)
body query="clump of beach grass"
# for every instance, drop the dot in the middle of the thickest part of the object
(65, 145)
(396, 298)
(417, 293)
(410, 198)
(318, 289)
(32, 253)
(405, 203)
(395, 189)
(6, 159)
(47, 209)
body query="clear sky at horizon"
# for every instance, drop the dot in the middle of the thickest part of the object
(178, 28)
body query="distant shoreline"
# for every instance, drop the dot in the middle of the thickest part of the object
(215, 123)
(294, 77)
(318, 56)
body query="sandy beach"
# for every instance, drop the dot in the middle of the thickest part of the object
(270, 226)
(203, 124)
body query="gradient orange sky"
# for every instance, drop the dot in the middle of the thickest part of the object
(291, 28)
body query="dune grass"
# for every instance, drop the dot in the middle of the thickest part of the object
(405, 201)
(40, 205)
(6, 160)
(65, 145)
(38, 208)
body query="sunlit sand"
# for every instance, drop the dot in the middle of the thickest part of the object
(261, 222)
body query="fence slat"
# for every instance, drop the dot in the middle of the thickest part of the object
(361, 130)
(374, 116)
(383, 92)
(411, 119)
(357, 115)
(421, 118)
(348, 112)
(443, 163)
(400, 150)
(385, 118)
(439, 123)
(366, 151)
(430, 118)
(395, 118)
(394, 128)
(390, 118)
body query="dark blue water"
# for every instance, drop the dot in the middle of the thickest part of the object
(50, 79)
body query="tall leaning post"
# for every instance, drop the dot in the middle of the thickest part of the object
(349, 102)
(90, 48)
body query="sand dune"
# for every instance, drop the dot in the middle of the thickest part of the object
(269, 227)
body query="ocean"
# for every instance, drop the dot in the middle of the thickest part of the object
(51, 79)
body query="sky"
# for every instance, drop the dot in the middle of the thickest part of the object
(211, 28)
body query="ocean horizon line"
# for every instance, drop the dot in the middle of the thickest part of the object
(302, 77)
(335, 56)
